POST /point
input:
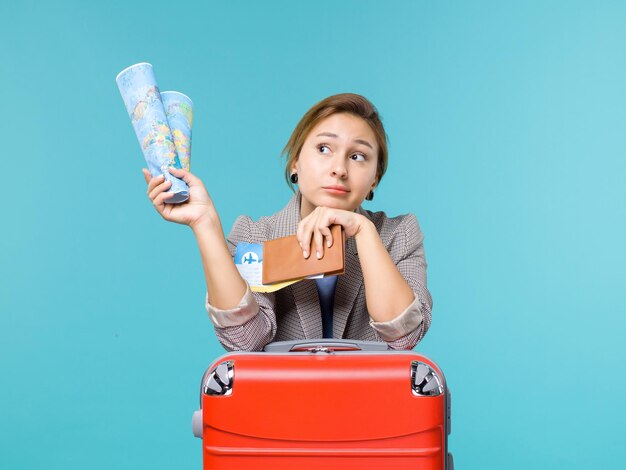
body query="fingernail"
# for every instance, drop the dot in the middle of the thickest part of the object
(328, 243)
(318, 254)
(305, 254)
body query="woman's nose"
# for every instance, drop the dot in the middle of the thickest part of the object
(339, 169)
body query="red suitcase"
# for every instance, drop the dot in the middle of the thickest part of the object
(327, 404)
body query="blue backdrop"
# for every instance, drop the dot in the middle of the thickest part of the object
(506, 122)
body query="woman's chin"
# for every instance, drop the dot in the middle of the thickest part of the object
(328, 200)
(336, 203)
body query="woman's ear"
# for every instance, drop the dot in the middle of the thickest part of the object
(294, 166)
(374, 184)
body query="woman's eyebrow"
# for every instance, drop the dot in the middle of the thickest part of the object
(358, 141)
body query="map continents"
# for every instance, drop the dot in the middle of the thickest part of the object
(179, 112)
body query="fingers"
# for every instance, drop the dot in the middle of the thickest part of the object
(159, 201)
(156, 189)
(146, 175)
(154, 182)
(323, 239)
(157, 186)
(328, 236)
(318, 236)
(315, 229)
(186, 176)
(304, 235)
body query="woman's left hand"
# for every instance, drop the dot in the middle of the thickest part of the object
(314, 229)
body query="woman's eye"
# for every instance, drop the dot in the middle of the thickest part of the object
(359, 157)
(323, 148)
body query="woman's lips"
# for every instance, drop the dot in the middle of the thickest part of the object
(339, 190)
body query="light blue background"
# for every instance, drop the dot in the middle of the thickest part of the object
(506, 122)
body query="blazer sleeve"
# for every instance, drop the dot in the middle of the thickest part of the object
(252, 324)
(410, 326)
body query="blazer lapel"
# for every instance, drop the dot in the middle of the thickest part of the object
(348, 285)
(307, 303)
(304, 293)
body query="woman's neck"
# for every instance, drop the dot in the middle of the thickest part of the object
(305, 207)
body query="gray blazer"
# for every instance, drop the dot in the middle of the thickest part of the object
(294, 311)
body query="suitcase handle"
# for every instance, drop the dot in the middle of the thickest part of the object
(325, 345)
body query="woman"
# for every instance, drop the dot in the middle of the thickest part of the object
(336, 155)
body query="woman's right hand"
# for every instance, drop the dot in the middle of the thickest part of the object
(198, 210)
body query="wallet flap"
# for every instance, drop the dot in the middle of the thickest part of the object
(283, 260)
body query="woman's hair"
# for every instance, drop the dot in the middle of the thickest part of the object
(350, 103)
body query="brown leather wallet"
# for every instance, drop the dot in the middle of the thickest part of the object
(283, 260)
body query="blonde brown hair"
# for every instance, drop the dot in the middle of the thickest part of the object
(343, 103)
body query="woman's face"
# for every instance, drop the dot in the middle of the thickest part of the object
(337, 164)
